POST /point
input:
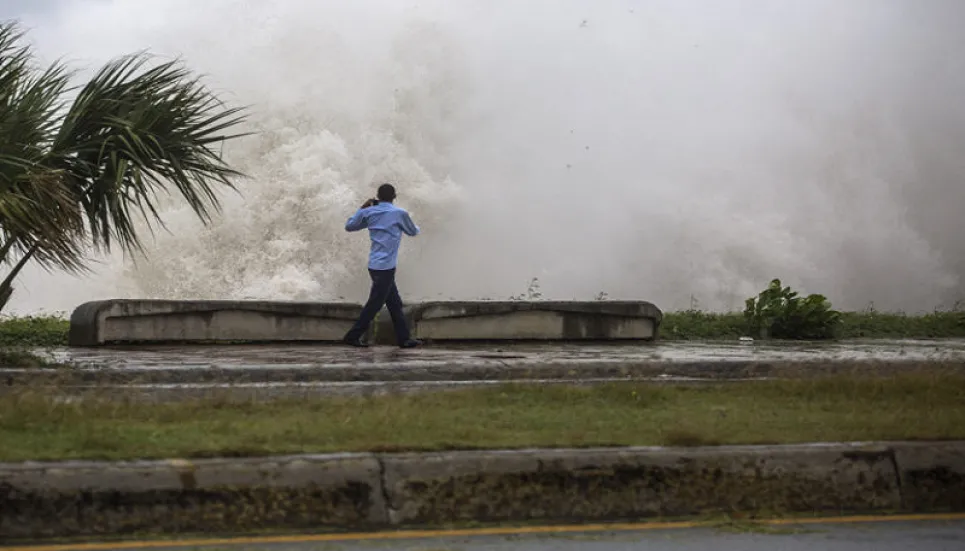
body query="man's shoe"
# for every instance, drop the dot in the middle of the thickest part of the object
(357, 343)
(411, 343)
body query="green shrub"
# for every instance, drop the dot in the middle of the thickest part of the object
(23, 358)
(696, 325)
(33, 331)
(778, 312)
(898, 325)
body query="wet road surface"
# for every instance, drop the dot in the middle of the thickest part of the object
(295, 355)
(169, 372)
(893, 535)
(904, 537)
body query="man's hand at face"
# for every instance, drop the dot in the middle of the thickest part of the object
(370, 203)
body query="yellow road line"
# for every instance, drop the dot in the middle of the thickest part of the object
(494, 531)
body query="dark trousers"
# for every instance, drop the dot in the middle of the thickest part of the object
(384, 292)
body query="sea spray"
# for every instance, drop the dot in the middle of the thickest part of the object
(656, 150)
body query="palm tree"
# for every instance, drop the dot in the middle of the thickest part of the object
(78, 172)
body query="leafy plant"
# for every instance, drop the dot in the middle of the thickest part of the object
(79, 173)
(778, 312)
(33, 331)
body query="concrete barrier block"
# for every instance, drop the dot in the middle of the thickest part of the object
(135, 321)
(175, 496)
(585, 485)
(528, 320)
(932, 475)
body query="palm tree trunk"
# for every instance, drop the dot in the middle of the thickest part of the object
(5, 250)
(6, 287)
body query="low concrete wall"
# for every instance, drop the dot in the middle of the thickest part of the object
(606, 484)
(362, 490)
(527, 320)
(218, 495)
(932, 476)
(159, 321)
(155, 321)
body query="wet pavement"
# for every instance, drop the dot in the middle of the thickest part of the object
(927, 535)
(295, 355)
(261, 371)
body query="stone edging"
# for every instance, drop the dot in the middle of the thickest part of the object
(371, 491)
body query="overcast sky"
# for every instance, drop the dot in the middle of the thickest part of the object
(17, 8)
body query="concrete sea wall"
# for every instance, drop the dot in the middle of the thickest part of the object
(160, 321)
(371, 491)
(527, 321)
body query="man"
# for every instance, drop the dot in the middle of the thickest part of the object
(386, 224)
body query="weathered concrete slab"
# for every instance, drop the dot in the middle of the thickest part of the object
(528, 320)
(78, 499)
(932, 475)
(635, 483)
(153, 321)
(370, 490)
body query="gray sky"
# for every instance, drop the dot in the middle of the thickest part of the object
(18, 8)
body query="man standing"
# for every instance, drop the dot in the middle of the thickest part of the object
(386, 223)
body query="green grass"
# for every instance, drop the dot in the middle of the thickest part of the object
(697, 325)
(37, 425)
(885, 325)
(23, 358)
(33, 331)
(19, 335)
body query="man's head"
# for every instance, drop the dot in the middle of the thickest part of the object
(386, 193)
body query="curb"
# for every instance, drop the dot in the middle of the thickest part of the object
(371, 491)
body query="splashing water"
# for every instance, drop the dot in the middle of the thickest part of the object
(656, 150)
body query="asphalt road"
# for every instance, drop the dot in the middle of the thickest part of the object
(934, 534)
(919, 536)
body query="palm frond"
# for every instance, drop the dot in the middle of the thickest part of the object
(41, 215)
(38, 210)
(29, 101)
(134, 131)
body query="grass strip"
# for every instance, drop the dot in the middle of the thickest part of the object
(35, 424)
(697, 325)
(21, 337)
(23, 358)
(33, 331)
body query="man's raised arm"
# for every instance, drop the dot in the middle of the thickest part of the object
(357, 221)
(408, 226)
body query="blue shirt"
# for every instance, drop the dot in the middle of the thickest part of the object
(386, 223)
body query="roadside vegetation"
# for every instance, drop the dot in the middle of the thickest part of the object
(36, 424)
(778, 312)
(33, 331)
(17, 357)
(24, 339)
(698, 325)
